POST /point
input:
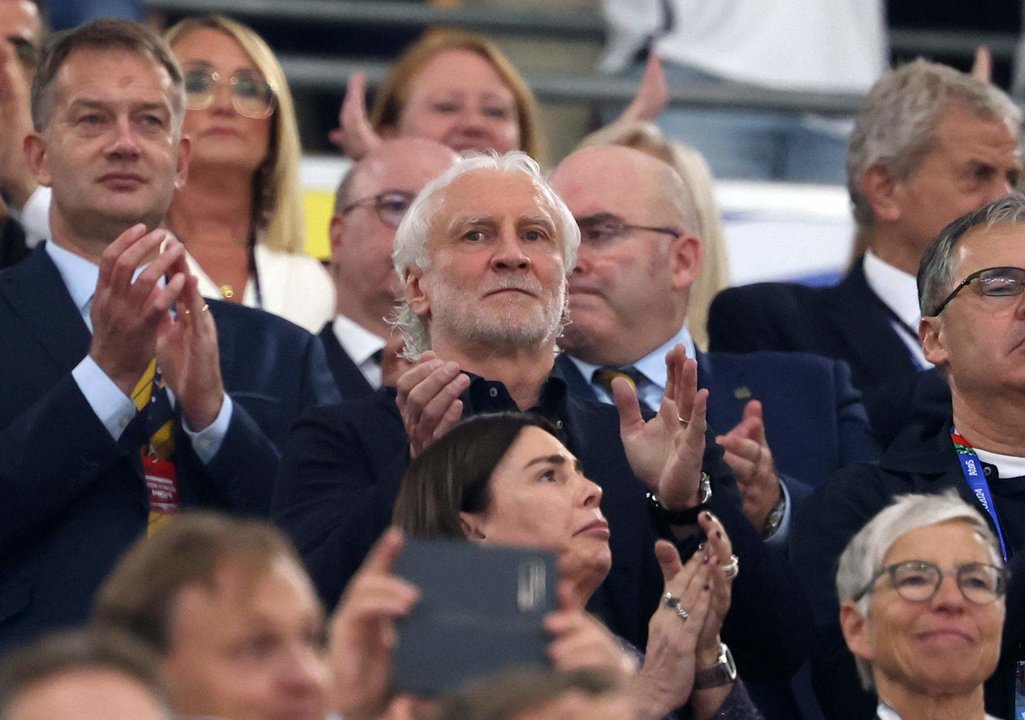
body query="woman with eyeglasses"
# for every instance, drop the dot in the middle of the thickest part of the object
(921, 591)
(240, 212)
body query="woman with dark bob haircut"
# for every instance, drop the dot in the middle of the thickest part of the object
(508, 479)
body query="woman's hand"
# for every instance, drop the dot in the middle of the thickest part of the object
(665, 452)
(580, 641)
(652, 94)
(362, 632)
(724, 567)
(666, 679)
(354, 136)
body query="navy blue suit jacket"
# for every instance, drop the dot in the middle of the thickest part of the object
(348, 377)
(846, 322)
(71, 498)
(343, 465)
(814, 421)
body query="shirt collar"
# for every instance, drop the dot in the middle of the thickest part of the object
(897, 289)
(358, 342)
(79, 276)
(1007, 466)
(652, 365)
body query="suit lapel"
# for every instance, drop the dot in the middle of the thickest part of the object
(875, 350)
(36, 293)
(727, 391)
(348, 377)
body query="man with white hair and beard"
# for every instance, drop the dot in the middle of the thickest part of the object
(484, 254)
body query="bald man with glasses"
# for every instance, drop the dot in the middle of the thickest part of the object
(370, 203)
(973, 330)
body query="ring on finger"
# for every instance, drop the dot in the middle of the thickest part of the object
(205, 308)
(683, 422)
(671, 600)
(732, 569)
(681, 613)
(187, 311)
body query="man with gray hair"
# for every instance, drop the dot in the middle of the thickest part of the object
(929, 145)
(973, 329)
(484, 254)
(923, 645)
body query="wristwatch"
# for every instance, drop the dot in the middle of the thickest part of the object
(775, 517)
(722, 673)
(683, 517)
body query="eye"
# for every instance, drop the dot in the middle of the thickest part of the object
(548, 476)
(474, 236)
(534, 235)
(1000, 285)
(497, 112)
(445, 107)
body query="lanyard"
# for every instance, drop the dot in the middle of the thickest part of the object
(971, 467)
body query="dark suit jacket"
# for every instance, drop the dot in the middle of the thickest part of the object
(846, 322)
(343, 465)
(71, 498)
(922, 460)
(814, 420)
(351, 382)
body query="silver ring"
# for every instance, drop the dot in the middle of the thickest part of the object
(681, 613)
(731, 570)
(671, 600)
(205, 308)
(187, 311)
(683, 422)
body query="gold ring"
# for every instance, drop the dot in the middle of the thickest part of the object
(187, 311)
(683, 422)
(204, 308)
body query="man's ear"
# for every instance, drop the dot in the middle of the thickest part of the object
(934, 341)
(882, 189)
(34, 149)
(336, 231)
(855, 631)
(416, 296)
(181, 170)
(685, 261)
(471, 523)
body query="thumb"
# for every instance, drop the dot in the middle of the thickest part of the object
(668, 559)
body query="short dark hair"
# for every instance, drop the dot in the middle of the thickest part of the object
(139, 596)
(75, 650)
(935, 273)
(452, 475)
(520, 690)
(101, 35)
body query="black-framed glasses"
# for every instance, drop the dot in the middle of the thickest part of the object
(25, 50)
(601, 231)
(390, 206)
(993, 282)
(919, 581)
(251, 95)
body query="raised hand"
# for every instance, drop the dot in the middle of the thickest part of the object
(362, 637)
(188, 354)
(665, 452)
(354, 136)
(666, 679)
(428, 400)
(652, 94)
(749, 455)
(127, 314)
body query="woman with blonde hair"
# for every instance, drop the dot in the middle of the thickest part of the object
(240, 213)
(697, 177)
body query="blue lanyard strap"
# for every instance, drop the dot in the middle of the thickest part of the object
(971, 467)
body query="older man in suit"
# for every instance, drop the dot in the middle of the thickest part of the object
(929, 145)
(369, 205)
(484, 253)
(124, 396)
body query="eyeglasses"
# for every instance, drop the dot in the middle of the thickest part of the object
(601, 231)
(391, 206)
(993, 282)
(251, 95)
(26, 52)
(919, 581)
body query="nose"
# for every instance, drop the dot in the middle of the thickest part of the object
(591, 492)
(509, 254)
(949, 596)
(304, 671)
(222, 97)
(124, 144)
(472, 120)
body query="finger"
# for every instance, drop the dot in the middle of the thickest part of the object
(674, 365)
(754, 416)
(412, 378)
(687, 390)
(668, 560)
(718, 541)
(382, 556)
(625, 398)
(115, 249)
(982, 66)
(450, 418)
